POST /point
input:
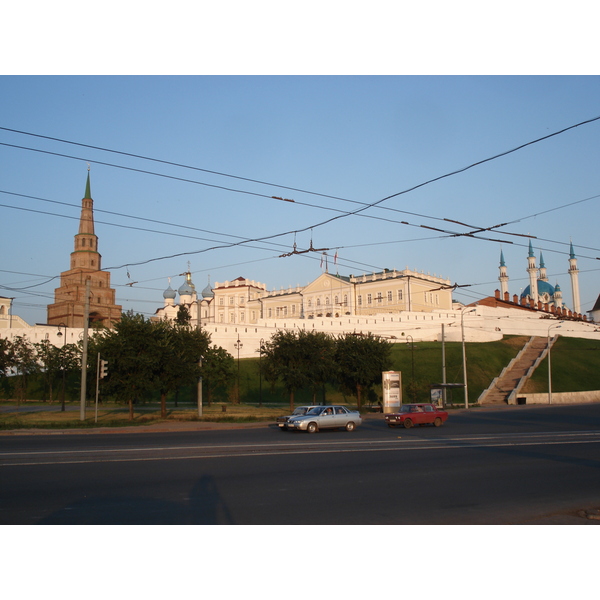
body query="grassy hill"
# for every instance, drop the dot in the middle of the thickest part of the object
(575, 367)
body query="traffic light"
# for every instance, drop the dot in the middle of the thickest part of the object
(103, 368)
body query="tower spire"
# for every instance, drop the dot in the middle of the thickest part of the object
(86, 222)
(88, 193)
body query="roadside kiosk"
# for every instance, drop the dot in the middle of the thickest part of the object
(392, 391)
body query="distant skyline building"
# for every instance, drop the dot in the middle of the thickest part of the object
(69, 299)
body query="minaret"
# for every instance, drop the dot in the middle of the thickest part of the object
(557, 296)
(574, 274)
(532, 270)
(69, 298)
(503, 276)
(543, 276)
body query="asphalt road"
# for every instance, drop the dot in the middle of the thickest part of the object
(514, 465)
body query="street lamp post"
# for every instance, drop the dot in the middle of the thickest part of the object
(62, 366)
(412, 352)
(412, 378)
(237, 346)
(558, 326)
(464, 352)
(199, 394)
(260, 372)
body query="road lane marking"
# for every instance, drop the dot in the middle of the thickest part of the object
(304, 451)
(280, 445)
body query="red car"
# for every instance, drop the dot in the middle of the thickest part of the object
(417, 414)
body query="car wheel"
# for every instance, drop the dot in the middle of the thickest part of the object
(311, 427)
(350, 426)
(408, 424)
(437, 422)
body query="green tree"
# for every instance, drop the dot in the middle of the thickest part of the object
(318, 350)
(145, 356)
(69, 361)
(183, 316)
(7, 357)
(218, 370)
(7, 363)
(132, 354)
(25, 364)
(361, 360)
(179, 349)
(285, 358)
(48, 357)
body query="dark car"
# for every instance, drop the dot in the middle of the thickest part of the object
(417, 414)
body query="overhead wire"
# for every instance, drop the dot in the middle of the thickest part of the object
(343, 213)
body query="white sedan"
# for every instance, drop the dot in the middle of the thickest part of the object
(326, 417)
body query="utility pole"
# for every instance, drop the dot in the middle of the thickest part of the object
(200, 390)
(86, 318)
(443, 367)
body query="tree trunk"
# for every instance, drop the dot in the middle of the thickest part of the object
(130, 409)
(62, 394)
(358, 395)
(291, 401)
(163, 405)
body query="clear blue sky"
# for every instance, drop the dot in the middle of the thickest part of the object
(357, 138)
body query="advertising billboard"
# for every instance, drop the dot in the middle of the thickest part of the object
(392, 391)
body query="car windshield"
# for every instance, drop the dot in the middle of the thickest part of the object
(299, 411)
(316, 410)
(405, 408)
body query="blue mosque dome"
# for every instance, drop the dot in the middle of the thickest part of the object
(543, 287)
(207, 292)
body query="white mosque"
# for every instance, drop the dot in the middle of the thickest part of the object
(540, 294)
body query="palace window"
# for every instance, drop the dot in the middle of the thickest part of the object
(369, 299)
(389, 295)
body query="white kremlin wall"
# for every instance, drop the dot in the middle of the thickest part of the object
(481, 324)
